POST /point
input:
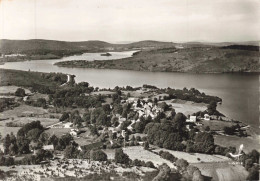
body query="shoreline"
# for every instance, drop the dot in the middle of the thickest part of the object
(59, 64)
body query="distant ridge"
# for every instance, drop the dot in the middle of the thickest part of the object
(38, 45)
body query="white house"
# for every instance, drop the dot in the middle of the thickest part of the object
(206, 117)
(68, 125)
(74, 132)
(48, 147)
(192, 119)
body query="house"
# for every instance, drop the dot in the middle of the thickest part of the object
(74, 132)
(79, 148)
(25, 98)
(192, 119)
(48, 147)
(206, 117)
(68, 125)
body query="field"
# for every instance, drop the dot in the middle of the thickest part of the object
(250, 143)
(193, 157)
(225, 171)
(7, 130)
(24, 114)
(138, 152)
(102, 93)
(216, 125)
(11, 90)
(58, 131)
(23, 110)
(186, 107)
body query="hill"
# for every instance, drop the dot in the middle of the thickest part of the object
(196, 57)
(48, 46)
(206, 59)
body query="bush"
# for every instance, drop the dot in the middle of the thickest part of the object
(98, 155)
(6, 161)
(168, 156)
(149, 164)
(121, 157)
(146, 145)
(182, 164)
(20, 92)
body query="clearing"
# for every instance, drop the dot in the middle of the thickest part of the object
(193, 157)
(250, 143)
(138, 152)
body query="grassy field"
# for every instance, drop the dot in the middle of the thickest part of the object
(58, 131)
(186, 107)
(250, 143)
(193, 157)
(8, 130)
(138, 152)
(223, 171)
(23, 110)
(23, 120)
(216, 125)
(10, 90)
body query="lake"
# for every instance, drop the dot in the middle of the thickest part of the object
(240, 92)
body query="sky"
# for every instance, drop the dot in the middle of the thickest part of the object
(131, 20)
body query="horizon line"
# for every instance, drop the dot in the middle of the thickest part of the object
(118, 42)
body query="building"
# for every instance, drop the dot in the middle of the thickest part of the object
(192, 119)
(74, 132)
(206, 117)
(48, 147)
(67, 125)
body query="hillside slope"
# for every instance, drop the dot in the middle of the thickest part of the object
(195, 60)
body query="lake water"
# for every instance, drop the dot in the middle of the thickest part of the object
(240, 92)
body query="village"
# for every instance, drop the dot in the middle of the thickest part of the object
(78, 142)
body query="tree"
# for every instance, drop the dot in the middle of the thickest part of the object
(204, 143)
(164, 106)
(41, 102)
(146, 145)
(149, 164)
(83, 84)
(98, 116)
(254, 155)
(121, 157)
(182, 164)
(34, 134)
(106, 108)
(139, 126)
(65, 116)
(43, 138)
(20, 92)
(229, 130)
(248, 163)
(98, 155)
(164, 173)
(54, 141)
(253, 173)
(7, 143)
(13, 149)
(23, 145)
(71, 151)
(179, 121)
(212, 108)
(207, 128)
